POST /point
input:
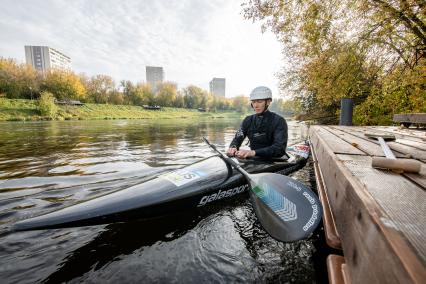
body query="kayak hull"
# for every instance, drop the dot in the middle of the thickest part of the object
(193, 186)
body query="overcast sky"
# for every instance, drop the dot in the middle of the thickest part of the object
(192, 40)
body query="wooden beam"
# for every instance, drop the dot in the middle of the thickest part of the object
(375, 252)
(331, 235)
(335, 269)
(410, 117)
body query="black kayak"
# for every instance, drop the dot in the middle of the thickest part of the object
(196, 185)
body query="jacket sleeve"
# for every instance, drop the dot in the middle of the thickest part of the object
(241, 134)
(279, 144)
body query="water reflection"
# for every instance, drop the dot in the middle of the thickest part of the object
(45, 166)
(119, 240)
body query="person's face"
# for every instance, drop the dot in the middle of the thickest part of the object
(259, 105)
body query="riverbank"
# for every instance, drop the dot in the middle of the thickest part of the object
(27, 110)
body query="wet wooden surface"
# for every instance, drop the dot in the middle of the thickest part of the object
(380, 215)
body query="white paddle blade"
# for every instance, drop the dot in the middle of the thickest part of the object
(287, 209)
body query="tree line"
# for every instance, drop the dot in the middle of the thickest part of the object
(22, 81)
(373, 51)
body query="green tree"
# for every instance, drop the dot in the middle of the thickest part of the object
(179, 100)
(195, 97)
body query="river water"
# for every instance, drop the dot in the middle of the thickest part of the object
(45, 166)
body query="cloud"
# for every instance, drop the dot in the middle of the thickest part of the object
(193, 40)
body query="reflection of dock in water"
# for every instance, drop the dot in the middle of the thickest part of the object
(377, 217)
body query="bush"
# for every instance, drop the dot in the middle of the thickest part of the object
(46, 105)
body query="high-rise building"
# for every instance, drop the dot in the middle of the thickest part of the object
(44, 58)
(154, 75)
(217, 87)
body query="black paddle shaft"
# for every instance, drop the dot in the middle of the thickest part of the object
(229, 160)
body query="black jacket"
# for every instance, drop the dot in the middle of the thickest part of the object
(267, 134)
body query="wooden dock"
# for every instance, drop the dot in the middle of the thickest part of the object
(377, 217)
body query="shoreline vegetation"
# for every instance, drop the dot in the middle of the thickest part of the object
(30, 110)
(102, 98)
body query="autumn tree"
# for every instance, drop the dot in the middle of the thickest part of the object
(195, 97)
(116, 98)
(18, 80)
(64, 85)
(166, 94)
(241, 104)
(99, 88)
(179, 100)
(350, 48)
(141, 94)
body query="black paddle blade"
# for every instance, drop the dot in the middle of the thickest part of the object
(287, 209)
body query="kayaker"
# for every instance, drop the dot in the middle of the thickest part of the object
(266, 130)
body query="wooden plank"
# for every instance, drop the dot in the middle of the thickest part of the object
(401, 138)
(374, 253)
(408, 151)
(337, 144)
(413, 153)
(420, 178)
(346, 279)
(413, 134)
(367, 146)
(331, 235)
(417, 145)
(334, 269)
(410, 117)
(402, 201)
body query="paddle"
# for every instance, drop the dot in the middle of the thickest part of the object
(287, 209)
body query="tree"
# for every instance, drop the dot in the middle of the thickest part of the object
(116, 98)
(18, 80)
(195, 97)
(166, 94)
(141, 94)
(64, 85)
(349, 48)
(179, 100)
(241, 104)
(99, 88)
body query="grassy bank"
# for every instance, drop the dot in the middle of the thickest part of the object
(27, 110)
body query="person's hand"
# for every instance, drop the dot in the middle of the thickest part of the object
(231, 152)
(245, 153)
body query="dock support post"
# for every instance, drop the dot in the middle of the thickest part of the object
(346, 111)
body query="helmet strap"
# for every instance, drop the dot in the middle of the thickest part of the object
(266, 106)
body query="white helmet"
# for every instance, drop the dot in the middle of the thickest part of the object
(260, 93)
